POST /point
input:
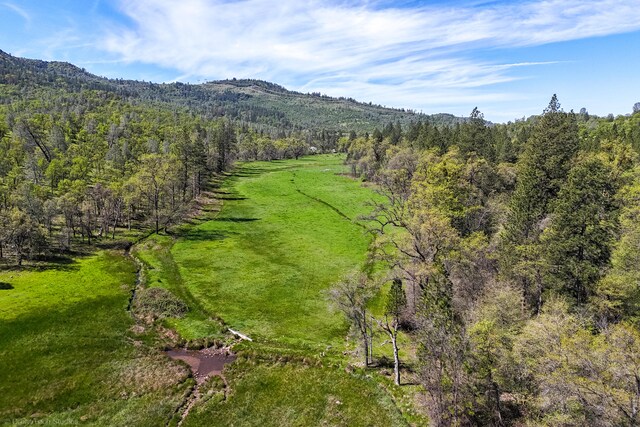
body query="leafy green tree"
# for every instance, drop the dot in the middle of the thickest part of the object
(295, 148)
(25, 236)
(153, 182)
(440, 185)
(617, 295)
(496, 322)
(578, 377)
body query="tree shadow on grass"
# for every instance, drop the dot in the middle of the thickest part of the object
(46, 262)
(210, 209)
(246, 173)
(231, 198)
(114, 244)
(205, 235)
(231, 219)
(227, 195)
(250, 171)
(4, 286)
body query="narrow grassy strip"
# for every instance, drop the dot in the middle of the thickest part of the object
(162, 271)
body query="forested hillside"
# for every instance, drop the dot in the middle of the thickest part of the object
(517, 246)
(262, 106)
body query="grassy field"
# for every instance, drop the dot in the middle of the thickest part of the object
(293, 395)
(68, 354)
(285, 233)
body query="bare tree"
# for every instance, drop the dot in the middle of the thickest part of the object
(396, 303)
(351, 296)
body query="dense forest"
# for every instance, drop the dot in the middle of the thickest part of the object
(513, 249)
(517, 249)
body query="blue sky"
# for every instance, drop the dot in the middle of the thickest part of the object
(505, 57)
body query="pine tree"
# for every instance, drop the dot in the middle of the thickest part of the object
(475, 136)
(578, 242)
(542, 169)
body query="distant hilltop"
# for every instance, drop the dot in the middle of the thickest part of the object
(258, 103)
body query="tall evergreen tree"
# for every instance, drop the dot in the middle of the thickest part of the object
(542, 170)
(475, 136)
(578, 242)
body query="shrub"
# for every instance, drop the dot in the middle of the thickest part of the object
(159, 303)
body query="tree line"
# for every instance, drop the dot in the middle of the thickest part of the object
(513, 256)
(76, 167)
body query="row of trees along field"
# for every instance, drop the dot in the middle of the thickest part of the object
(518, 250)
(90, 165)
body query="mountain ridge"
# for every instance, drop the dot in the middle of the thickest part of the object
(258, 103)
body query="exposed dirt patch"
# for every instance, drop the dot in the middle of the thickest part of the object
(204, 363)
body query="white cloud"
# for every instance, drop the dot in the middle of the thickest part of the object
(20, 11)
(417, 56)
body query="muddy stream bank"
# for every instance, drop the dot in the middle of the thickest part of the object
(203, 363)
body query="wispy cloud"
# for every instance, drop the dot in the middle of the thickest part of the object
(401, 56)
(20, 11)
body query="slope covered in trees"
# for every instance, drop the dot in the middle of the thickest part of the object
(514, 244)
(257, 104)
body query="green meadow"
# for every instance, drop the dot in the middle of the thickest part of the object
(293, 395)
(67, 351)
(262, 264)
(287, 231)
(259, 260)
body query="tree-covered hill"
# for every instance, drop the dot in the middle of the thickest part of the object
(258, 104)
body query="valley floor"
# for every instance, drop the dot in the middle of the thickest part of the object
(259, 260)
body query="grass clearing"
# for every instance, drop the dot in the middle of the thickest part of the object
(287, 231)
(284, 235)
(68, 355)
(262, 265)
(294, 395)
